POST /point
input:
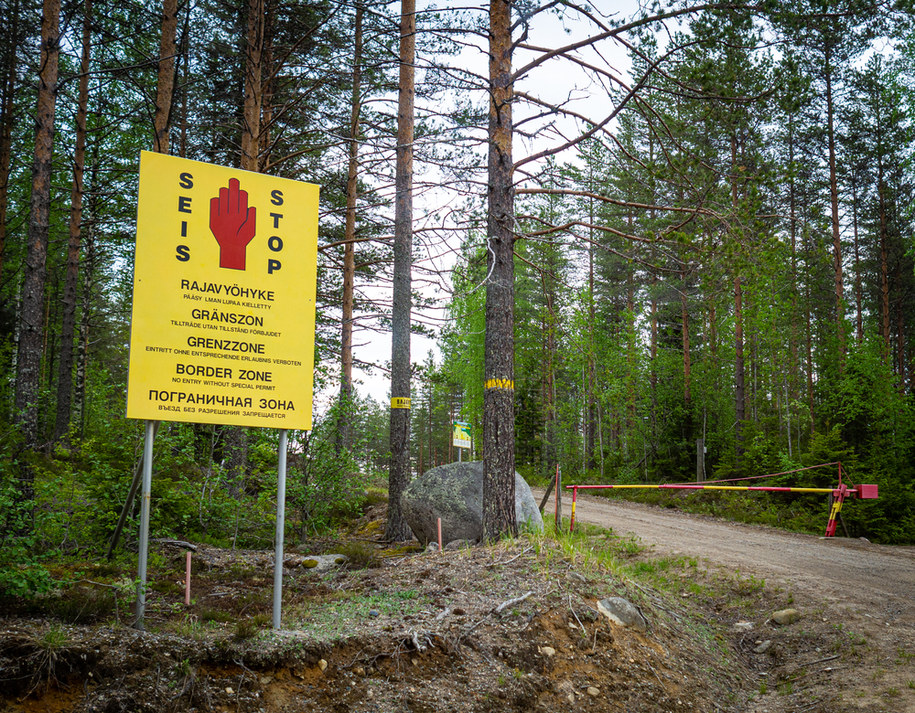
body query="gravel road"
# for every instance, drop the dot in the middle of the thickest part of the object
(853, 575)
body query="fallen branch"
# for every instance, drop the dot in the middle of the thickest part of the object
(511, 602)
(496, 610)
(522, 553)
(176, 543)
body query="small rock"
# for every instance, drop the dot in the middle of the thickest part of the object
(622, 613)
(566, 687)
(743, 625)
(322, 664)
(593, 691)
(359, 671)
(579, 577)
(547, 650)
(229, 690)
(374, 613)
(783, 617)
(432, 547)
(415, 662)
(370, 693)
(763, 647)
(266, 680)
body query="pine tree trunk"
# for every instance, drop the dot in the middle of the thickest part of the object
(499, 343)
(739, 373)
(254, 91)
(68, 319)
(165, 86)
(78, 415)
(859, 287)
(884, 268)
(349, 248)
(684, 321)
(7, 108)
(591, 408)
(396, 528)
(834, 203)
(739, 368)
(29, 353)
(236, 438)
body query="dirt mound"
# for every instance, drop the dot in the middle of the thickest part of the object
(511, 627)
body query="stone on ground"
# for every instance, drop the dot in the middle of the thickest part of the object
(622, 613)
(454, 493)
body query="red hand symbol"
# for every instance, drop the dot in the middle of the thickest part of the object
(233, 224)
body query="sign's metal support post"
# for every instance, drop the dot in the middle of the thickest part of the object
(144, 522)
(280, 530)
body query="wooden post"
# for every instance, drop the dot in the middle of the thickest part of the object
(700, 460)
(187, 579)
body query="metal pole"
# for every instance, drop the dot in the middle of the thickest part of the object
(144, 522)
(280, 529)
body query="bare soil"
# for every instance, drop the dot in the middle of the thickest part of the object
(867, 589)
(511, 627)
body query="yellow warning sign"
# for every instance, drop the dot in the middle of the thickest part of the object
(461, 435)
(224, 296)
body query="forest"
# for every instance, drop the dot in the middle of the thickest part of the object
(645, 246)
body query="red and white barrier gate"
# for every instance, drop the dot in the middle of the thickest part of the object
(839, 493)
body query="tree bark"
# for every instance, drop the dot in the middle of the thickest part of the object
(884, 267)
(68, 318)
(739, 378)
(165, 85)
(29, 353)
(396, 528)
(739, 367)
(499, 343)
(7, 108)
(254, 90)
(834, 203)
(236, 438)
(349, 235)
(859, 287)
(684, 321)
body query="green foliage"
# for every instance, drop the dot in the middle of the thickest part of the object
(325, 482)
(22, 569)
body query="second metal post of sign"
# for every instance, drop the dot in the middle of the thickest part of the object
(280, 529)
(145, 503)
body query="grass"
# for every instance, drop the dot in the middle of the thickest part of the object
(329, 620)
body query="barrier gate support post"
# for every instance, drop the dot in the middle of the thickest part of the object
(572, 518)
(838, 497)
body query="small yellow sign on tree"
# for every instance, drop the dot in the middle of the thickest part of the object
(224, 296)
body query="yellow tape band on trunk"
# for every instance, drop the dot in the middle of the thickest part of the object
(507, 384)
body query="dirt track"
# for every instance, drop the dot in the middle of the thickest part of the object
(848, 573)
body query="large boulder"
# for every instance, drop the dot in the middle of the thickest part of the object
(454, 493)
